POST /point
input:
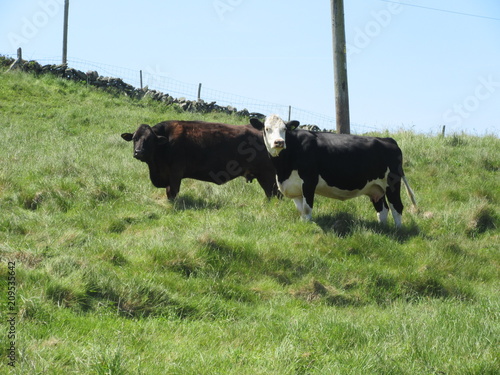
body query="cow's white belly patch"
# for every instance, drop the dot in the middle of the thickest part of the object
(292, 186)
(375, 189)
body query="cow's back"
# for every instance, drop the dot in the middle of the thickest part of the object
(205, 142)
(202, 134)
(343, 160)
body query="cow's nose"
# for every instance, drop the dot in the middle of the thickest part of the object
(138, 154)
(279, 143)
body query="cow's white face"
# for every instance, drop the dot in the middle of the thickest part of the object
(274, 135)
(274, 132)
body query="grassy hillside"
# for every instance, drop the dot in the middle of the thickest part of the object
(113, 279)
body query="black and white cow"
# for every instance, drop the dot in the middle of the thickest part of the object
(339, 166)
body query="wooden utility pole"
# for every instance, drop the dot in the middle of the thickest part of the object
(65, 32)
(340, 67)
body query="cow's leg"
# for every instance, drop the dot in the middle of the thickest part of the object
(268, 183)
(170, 193)
(382, 209)
(397, 215)
(394, 197)
(308, 189)
(304, 208)
(299, 203)
(173, 188)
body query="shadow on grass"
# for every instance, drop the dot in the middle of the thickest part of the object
(188, 202)
(344, 224)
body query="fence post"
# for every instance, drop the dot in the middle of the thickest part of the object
(18, 62)
(199, 92)
(289, 112)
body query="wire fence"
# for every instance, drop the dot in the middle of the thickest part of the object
(160, 82)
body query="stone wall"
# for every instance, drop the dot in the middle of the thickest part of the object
(118, 85)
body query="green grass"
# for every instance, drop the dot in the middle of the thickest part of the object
(113, 279)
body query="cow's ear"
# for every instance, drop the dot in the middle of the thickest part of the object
(292, 125)
(127, 136)
(256, 123)
(162, 140)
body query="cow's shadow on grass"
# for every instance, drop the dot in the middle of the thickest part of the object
(344, 224)
(188, 202)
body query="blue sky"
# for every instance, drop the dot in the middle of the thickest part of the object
(409, 66)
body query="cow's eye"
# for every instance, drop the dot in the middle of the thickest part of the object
(268, 130)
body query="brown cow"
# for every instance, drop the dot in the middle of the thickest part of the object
(212, 152)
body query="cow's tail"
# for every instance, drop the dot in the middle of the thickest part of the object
(410, 192)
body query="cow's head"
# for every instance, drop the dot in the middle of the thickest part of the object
(145, 142)
(274, 130)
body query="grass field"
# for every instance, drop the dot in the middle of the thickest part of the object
(111, 278)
